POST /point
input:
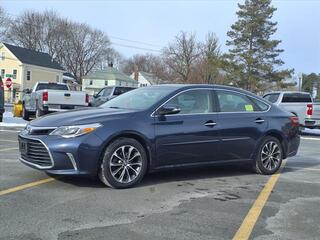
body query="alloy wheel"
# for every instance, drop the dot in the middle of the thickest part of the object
(125, 164)
(271, 155)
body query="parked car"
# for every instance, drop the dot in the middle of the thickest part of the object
(107, 94)
(1, 99)
(51, 97)
(298, 103)
(161, 127)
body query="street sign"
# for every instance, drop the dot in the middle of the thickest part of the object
(8, 83)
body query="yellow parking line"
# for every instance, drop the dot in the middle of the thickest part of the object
(25, 186)
(8, 149)
(250, 220)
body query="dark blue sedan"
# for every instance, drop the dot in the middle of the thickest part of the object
(158, 127)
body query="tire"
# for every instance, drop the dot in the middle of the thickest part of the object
(25, 114)
(39, 112)
(115, 169)
(269, 157)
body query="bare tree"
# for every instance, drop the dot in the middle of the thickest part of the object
(181, 55)
(3, 23)
(77, 47)
(146, 63)
(209, 62)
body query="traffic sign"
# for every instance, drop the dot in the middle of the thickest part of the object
(8, 83)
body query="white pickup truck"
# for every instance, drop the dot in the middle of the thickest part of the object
(298, 103)
(51, 97)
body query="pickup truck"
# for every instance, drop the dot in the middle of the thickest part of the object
(298, 103)
(1, 99)
(107, 93)
(51, 97)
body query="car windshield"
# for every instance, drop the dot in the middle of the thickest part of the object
(272, 97)
(139, 99)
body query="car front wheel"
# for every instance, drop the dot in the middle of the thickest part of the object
(269, 157)
(124, 163)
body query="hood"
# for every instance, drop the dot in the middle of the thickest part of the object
(81, 116)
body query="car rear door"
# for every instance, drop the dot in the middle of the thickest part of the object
(242, 122)
(190, 136)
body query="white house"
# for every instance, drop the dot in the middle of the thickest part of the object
(95, 81)
(146, 79)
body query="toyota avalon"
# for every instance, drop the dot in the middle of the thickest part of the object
(159, 127)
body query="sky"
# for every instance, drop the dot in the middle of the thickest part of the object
(155, 23)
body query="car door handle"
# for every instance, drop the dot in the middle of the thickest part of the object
(259, 120)
(210, 124)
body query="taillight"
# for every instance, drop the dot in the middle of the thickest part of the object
(87, 98)
(45, 96)
(294, 121)
(309, 109)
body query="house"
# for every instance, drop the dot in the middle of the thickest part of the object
(25, 67)
(71, 81)
(146, 79)
(110, 76)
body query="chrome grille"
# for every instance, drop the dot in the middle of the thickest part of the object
(34, 152)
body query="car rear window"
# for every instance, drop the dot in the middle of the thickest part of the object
(51, 86)
(296, 97)
(272, 97)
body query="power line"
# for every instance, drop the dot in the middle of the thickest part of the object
(110, 36)
(135, 47)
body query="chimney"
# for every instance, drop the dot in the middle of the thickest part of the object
(110, 64)
(136, 73)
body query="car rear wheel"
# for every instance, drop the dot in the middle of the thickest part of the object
(269, 157)
(25, 114)
(124, 163)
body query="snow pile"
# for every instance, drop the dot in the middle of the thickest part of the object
(10, 121)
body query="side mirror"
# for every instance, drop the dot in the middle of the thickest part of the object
(168, 110)
(95, 96)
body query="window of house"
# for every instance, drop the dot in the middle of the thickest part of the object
(57, 78)
(28, 75)
(106, 83)
(3, 56)
(3, 72)
(193, 102)
(14, 74)
(91, 82)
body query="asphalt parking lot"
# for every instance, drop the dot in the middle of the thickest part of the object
(205, 203)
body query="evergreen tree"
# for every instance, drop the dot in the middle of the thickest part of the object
(253, 58)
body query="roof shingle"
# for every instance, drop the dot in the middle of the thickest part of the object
(32, 57)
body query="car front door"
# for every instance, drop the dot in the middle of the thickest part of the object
(190, 136)
(242, 122)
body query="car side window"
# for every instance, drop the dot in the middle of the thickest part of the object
(193, 101)
(235, 102)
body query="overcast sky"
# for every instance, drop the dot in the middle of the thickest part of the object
(155, 23)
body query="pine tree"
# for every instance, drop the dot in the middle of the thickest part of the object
(253, 58)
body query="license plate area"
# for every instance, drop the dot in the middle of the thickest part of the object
(23, 147)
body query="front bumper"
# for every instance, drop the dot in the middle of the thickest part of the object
(68, 156)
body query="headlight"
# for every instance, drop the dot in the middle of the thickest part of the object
(75, 131)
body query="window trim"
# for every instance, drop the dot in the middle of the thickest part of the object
(29, 75)
(188, 114)
(248, 96)
(14, 76)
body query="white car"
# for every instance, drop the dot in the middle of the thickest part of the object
(298, 103)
